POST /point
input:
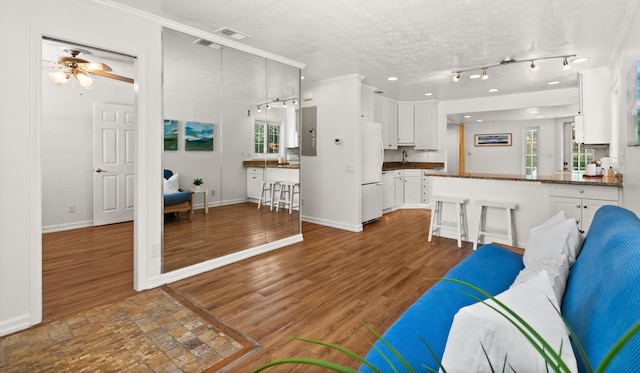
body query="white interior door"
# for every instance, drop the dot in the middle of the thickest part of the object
(113, 161)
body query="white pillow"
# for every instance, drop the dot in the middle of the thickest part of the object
(557, 268)
(548, 240)
(478, 325)
(171, 185)
(574, 242)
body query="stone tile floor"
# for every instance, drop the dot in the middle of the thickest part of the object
(149, 332)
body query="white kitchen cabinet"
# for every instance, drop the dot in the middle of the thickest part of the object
(366, 103)
(412, 187)
(593, 126)
(581, 202)
(399, 188)
(255, 177)
(425, 125)
(386, 113)
(388, 190)
(405, 123)
(426, 188)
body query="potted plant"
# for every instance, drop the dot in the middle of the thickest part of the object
(197, 182)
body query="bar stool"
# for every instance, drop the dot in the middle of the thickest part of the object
(509, 233)
(460, 225)
(267, 186)
(287, 192)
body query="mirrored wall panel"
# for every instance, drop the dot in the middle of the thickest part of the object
(231, 156)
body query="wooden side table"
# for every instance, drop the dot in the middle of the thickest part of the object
(205, 192)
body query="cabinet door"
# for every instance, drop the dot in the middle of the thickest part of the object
(425, 126)
(589, 208)
(389, 120)
(595, 105)
(254, 184)
(388, 190)
(405, 124)
(572, 207)
(399, 190)
(412, 190)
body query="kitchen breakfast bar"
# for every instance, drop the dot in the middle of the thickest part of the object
(538, 198)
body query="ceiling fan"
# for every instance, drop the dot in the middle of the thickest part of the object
(81, 69)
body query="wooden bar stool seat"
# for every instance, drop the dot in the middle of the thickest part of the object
(459, 225)
(507, 234)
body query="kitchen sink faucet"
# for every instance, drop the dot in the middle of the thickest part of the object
(404, 156)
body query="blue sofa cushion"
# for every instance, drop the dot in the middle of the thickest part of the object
(176, 198)
(490, 268)
(602, 300)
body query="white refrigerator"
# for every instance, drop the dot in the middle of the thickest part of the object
(371, 171)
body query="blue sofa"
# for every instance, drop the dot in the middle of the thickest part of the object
(601, 302)
(177, 202)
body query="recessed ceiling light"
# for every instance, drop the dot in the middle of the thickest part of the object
(392, 78)
(540, 116)
(467, 116)
(553, 82)
(428, 94)
(580, 59)
(475, 76)
(533, 112)
(493, 90)
(479, 120)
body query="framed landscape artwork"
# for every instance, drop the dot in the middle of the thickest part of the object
(633, 137)
(493, 139)
(198, 136)
(170, 134)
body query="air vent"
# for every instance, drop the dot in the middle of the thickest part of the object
(235, 34)
(207, 43)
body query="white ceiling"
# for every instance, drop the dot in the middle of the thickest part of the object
(418, 41)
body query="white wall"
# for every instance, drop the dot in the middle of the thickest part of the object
(331, 180)
(67, 149)
(629, 155)
(509, 159)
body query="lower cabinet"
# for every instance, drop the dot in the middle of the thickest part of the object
(412, 187)
(399, 188)
(388, 190)
(255, 177)
(426, 188)
(581, 202)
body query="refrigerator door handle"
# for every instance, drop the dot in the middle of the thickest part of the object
(381, 154)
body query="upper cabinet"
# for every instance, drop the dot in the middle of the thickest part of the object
(366, 103)
(594, 125)
(425, 131)
(385, 112)
(405, 124)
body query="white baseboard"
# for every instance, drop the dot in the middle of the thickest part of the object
(67, 226)
(333, 224)
(196, 269)
(14, 325)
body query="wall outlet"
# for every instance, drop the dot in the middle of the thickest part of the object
(213, 192)
(155, 250)
(301, 201)
(71, 208)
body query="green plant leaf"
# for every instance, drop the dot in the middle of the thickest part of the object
(617, 347)
(299, 360)
(343, 350)
(393, 350)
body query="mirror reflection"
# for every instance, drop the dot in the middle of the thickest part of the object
(231, 126)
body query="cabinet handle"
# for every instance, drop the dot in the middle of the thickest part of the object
(581, 191)
(578, 206)
(584, 207)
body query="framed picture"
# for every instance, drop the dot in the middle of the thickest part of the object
(633, 106)
(170, 134)
(198, 136)
(493, 139)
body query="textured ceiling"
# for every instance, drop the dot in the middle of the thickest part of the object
(418, 41)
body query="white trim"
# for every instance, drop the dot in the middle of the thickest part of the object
(333, 224)
(67, 226)
(209, 265)
(623, 31)
(15, 324)
(332, 80)
(198, 33)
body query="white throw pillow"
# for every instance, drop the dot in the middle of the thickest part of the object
(171, 185)
(549, 240)
(478, 325)
(574, 242)
(557, 268)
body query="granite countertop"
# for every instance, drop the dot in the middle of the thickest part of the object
(576, 178)
(270, 164)
(389, 166)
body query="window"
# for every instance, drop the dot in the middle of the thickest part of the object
(266, 138)
(531, 152)
(580, 157)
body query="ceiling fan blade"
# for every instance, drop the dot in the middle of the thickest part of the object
(94, 66)
(110, 76)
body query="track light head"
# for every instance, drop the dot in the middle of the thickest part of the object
(484, 75)
(259, 109)
(456, 77)
(565, 64)
(534, 67)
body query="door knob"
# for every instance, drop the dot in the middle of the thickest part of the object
(101, 170)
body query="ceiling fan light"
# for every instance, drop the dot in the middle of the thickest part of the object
(59, 77)
(84, 80)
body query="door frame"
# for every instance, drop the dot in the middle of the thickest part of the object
(142, 109)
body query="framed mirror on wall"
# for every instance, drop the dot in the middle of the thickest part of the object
(215, 131)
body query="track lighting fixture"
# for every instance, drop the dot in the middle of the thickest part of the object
(259, 109)
(284, 103)
(268, 107)
(270, 104)
(457, 74)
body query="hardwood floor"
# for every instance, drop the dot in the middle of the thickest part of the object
(325, 287)
(322, 288)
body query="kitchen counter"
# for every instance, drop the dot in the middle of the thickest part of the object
(270, 164)
(576, 178)
(388, 166)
